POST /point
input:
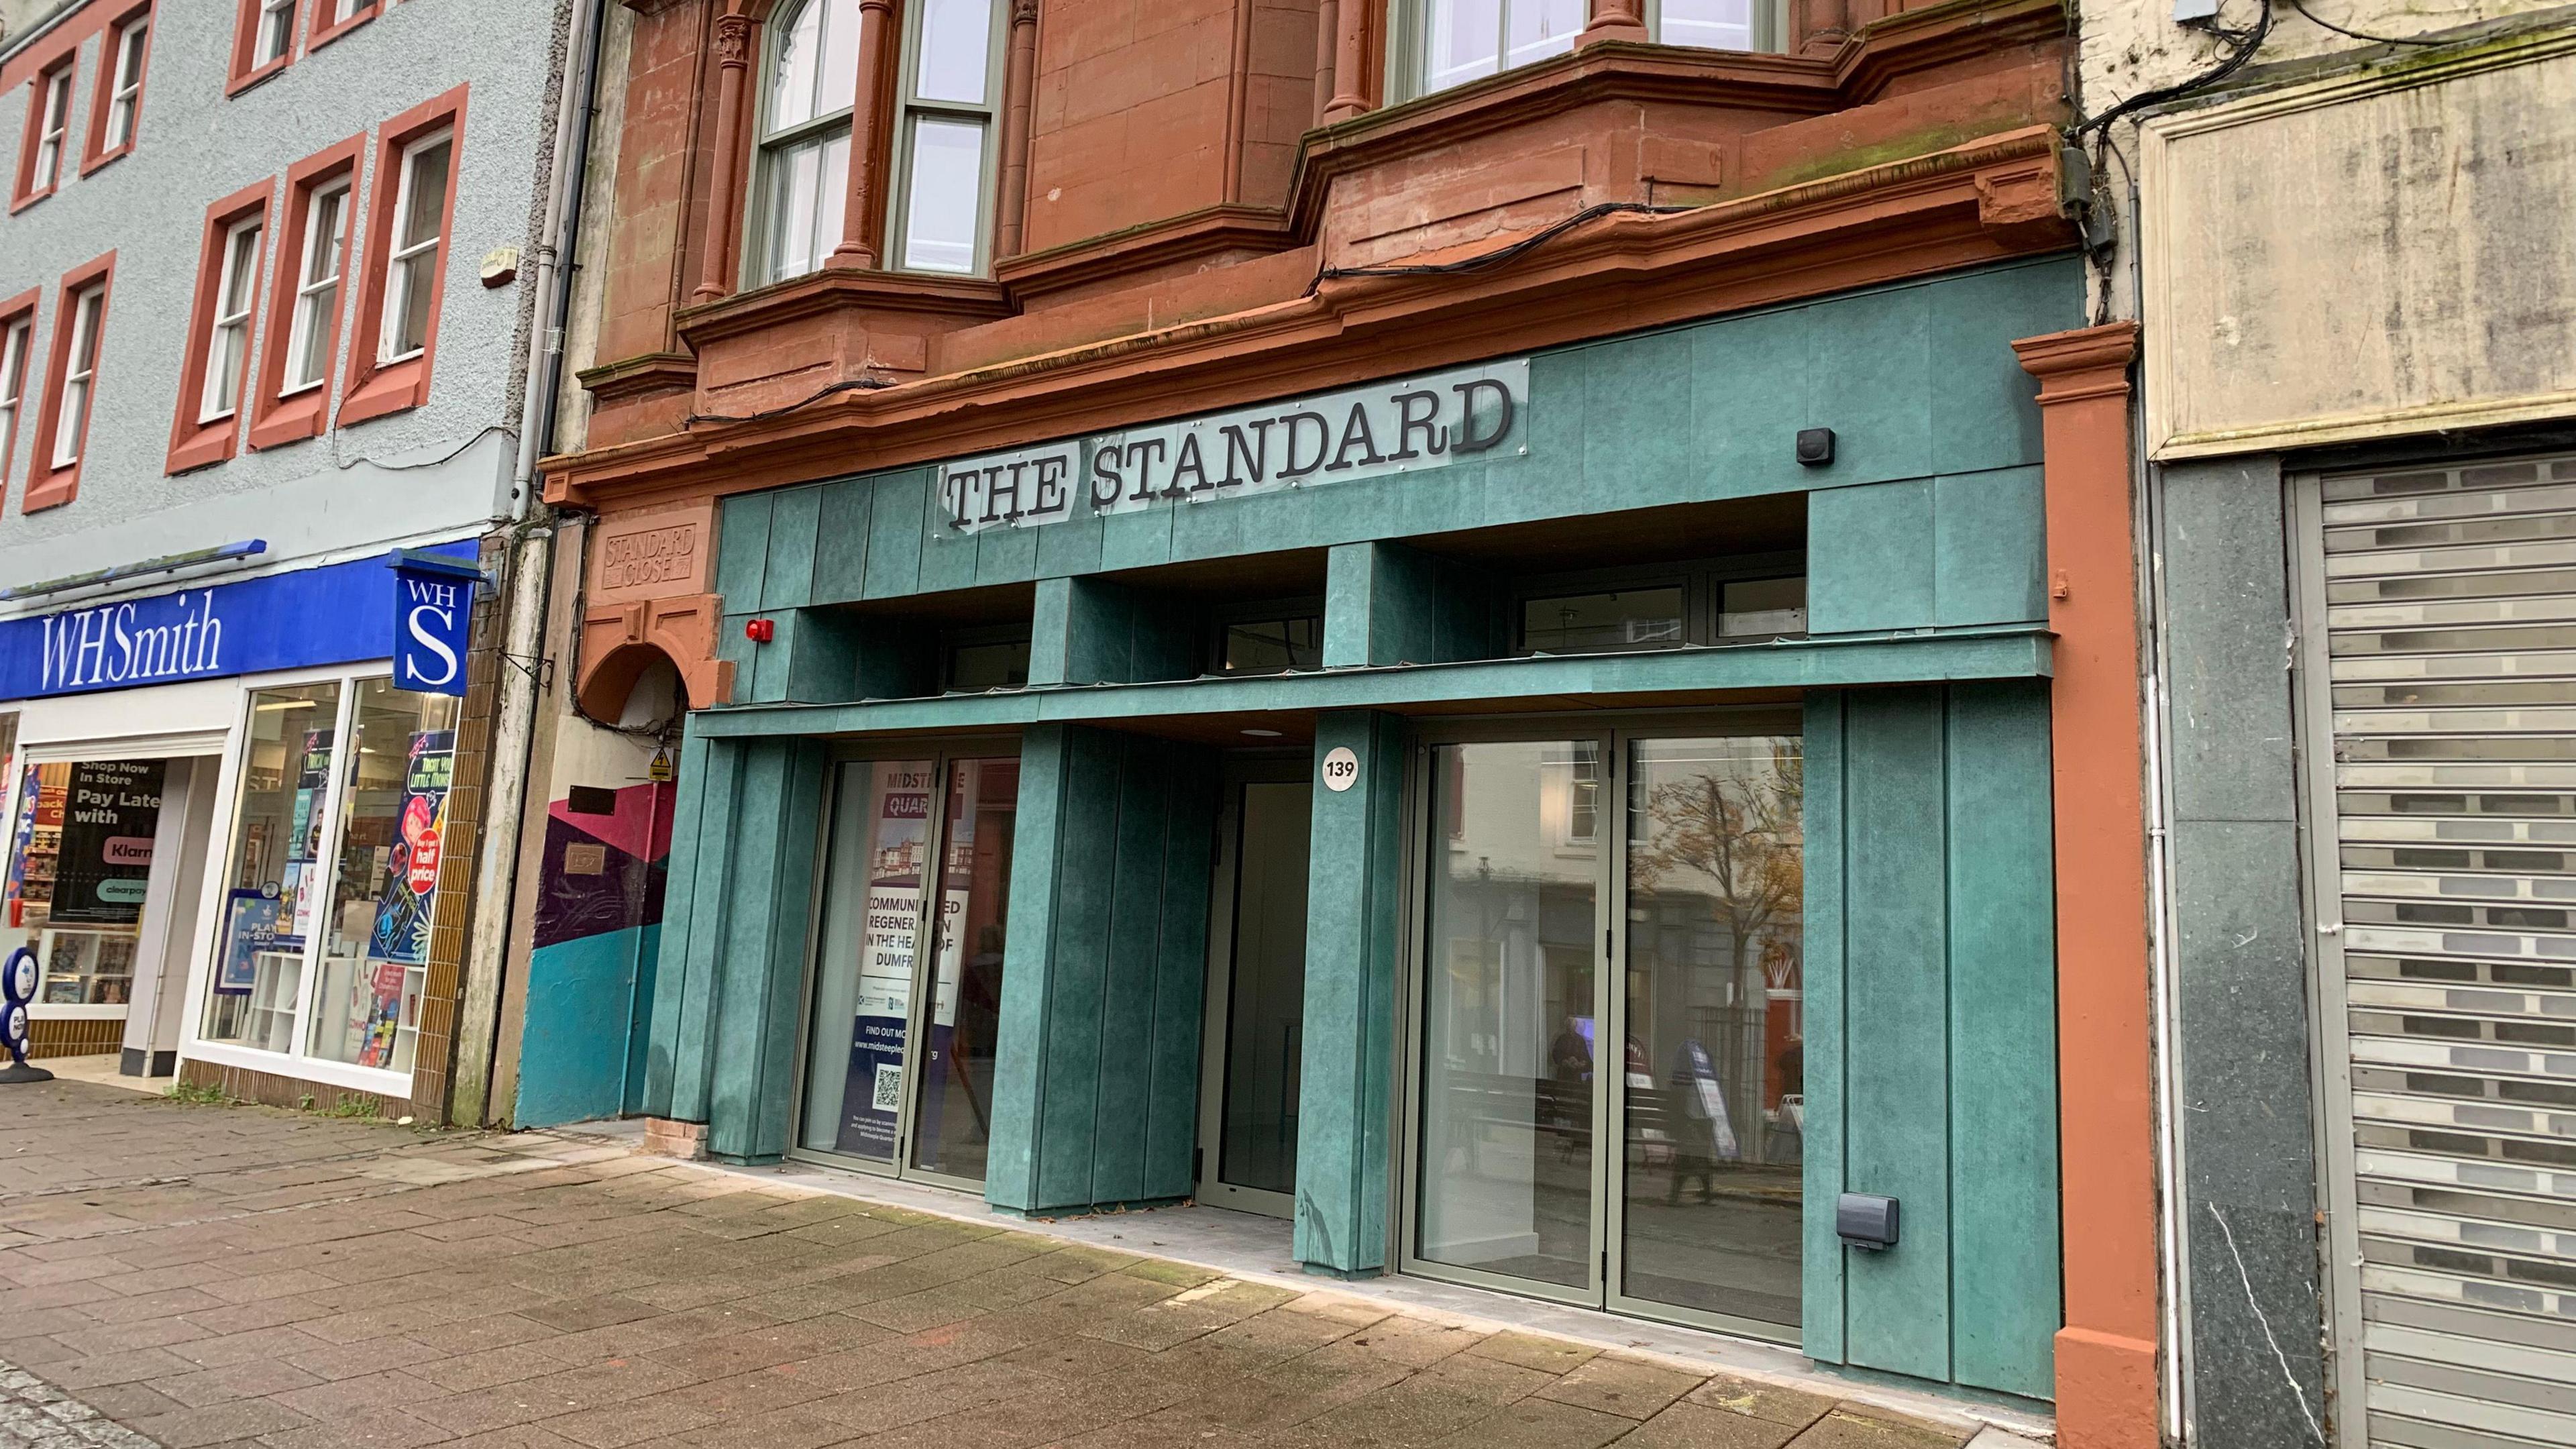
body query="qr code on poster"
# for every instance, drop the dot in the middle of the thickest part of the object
(889, 1095)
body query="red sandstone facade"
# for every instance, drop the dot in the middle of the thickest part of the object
(1203, 203)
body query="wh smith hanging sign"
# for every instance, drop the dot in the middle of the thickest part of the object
(433, 613)
(1408, 425)
(336, 614)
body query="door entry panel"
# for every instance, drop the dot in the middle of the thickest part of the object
(1257, 990)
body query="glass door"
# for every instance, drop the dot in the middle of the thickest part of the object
(1623, 1136)
(907, 989)
(1257, 988)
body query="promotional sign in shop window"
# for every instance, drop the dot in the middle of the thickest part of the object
(898, 870)
(399, 944)
(108, 824)
(80, 867)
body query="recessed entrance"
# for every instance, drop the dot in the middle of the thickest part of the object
(1257, 987)
(1607, 1099)
(908, 980)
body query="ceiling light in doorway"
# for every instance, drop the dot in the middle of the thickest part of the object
(1263, 734)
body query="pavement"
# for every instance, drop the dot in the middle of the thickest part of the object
(216, 1275)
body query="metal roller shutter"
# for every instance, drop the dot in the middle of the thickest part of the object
(2451, 636)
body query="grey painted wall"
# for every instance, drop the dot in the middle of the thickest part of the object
(2239, 961)
(381, 481)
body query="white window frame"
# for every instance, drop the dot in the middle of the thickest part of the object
(770, 148)
(231, 314)
(16, 336)
(52, 131)
(1409, 41)
(274, 22)
(294, 1064)
(126, 90)
(400, 260)
(313, 318)
(912, 111)
(80, 371)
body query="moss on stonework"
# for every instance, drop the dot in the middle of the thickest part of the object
(1903, 147)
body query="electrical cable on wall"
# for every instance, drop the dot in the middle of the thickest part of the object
(2302, 7)
(2246, 42)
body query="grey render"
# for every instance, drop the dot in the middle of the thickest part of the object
(442, 470)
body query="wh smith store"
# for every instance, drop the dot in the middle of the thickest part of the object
(225, 808)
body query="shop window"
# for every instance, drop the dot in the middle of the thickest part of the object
(62, 434)
(263, 42)
(803, 179)
(1278, 639)
(398, 304)
(80, 863)
(335, 18)
(946, 161)
(218, 357)
(17, 339)
(288, 401)
(49, 120)
(1439, 44)
(977, 660)
(322, 945)
(118, 111)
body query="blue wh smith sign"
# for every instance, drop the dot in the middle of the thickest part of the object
(336, 614)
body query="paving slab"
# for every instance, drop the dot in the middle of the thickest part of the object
(205, 1276)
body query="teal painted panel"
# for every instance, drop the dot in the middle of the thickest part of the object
(1749, 392)
(1520, 489)
(841, 541)
(2003, 1038)
(761, 672)
(708, 919)
(1172, 1112)
(769, 876)
(789, 947)
(1869, 364)
(1354, 894)
(1869, 558)
(787, 577)
(1007, 555)
(895, 525)
(1821, 1320)
(1896, 1025)
(948, 559)
(1985, 410)
(1989, 548)
(1051, 631)
(1349, 571)
(1076, 974)
(682, 913)
(824, 667)
(1136, 540)
(1638, 443)
(639, 1024)
(1020, 1039)
(742, 548)
(580, 1018)
(1130, 971)
(1069, 548)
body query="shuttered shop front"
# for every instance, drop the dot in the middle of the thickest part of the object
(2449, 693)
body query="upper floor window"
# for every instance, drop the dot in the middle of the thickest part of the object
(228, 345)
(80, 372)
(275, 32)
(420, 222)
(945, 157)
(1447, 43)
(804, 169)
(125, 84)
(317, 288)
(52, 118)
(15, 334)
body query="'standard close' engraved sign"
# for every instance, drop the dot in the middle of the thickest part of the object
(1372, 431)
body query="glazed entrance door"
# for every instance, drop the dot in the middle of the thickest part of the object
(908, 977)
(1257, 989)
(1628, 1135)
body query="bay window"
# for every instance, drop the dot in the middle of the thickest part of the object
(1439, 44)
(803, 172)
(80, 373)
(946, 136)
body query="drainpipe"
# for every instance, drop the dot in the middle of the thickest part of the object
(527, 585)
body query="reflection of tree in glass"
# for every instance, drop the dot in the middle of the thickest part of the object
(1730, 830)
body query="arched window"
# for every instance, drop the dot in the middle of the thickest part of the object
(811, 77)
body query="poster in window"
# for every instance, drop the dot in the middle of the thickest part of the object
(400, 940)
(299, 885)
(104, 866)
(250, 927)
(897, 865)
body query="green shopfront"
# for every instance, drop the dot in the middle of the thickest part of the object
(1523, 823)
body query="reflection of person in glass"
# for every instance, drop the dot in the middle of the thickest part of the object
(1703, 1133)
(1565, 1101)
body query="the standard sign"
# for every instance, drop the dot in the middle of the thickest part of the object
(1362, 432)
